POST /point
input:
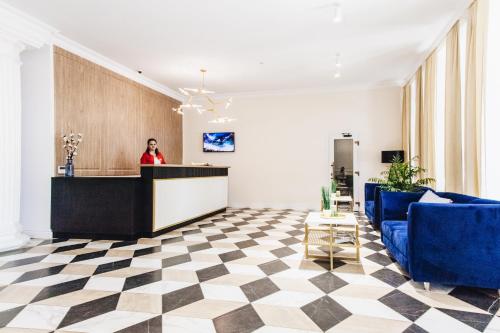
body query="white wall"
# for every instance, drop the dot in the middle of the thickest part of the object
(37, 142)
(282, 142)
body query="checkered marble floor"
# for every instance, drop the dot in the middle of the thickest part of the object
(240, 271)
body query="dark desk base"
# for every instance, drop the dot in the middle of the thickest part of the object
(115, 236)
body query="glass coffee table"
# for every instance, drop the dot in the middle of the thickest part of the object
(340, 231)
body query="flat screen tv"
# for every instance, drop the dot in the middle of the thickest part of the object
(218, 142)
(388, 155)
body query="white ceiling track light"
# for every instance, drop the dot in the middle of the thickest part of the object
(337, 13)
(199, 99)
(338, 66)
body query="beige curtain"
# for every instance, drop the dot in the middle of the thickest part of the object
(428, 118)
(416, 150)
(453, 114)
(406, 120)
(474, 96)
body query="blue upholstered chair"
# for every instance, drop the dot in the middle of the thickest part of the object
(453, 244)
(370, 200)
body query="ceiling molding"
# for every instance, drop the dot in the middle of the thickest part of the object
(316, 90)
(18, 27)
(91, 55)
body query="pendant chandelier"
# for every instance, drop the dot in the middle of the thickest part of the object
(199, 99)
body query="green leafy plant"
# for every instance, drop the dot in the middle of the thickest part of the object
(402, 177)
(333, 186)
(325, 197)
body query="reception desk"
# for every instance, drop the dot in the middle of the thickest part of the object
(161, 199)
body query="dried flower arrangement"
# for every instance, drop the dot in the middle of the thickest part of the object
(71, 143)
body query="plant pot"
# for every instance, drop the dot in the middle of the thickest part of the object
(327, 212)
(69, 168)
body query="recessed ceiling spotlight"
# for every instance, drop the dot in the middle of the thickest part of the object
(337, 13)
(337, 75)
(139, 71)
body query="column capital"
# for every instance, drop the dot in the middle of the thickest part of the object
(19, 28)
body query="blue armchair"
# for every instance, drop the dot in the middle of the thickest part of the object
(370, 200)
(455, 244)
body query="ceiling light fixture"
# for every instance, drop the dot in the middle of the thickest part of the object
(337, 13)
(199, 99)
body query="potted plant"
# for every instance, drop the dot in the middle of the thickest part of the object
(402, 177)
(325, 201)
(333, 187)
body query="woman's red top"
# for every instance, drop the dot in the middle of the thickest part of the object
(147, 158)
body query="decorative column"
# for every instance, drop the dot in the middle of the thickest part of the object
(10, 144)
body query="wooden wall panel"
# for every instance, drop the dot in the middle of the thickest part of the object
(116, 116)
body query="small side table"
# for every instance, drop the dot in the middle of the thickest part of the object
(343, 198)
(327, 232)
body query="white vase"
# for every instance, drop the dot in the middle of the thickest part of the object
(327, 212)
(337, 193)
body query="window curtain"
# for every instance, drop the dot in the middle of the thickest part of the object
(428, 118)
(453, 114)
(416, 151)
(406, 120)
(474, 97)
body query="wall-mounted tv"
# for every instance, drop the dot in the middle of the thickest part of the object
(218, 142)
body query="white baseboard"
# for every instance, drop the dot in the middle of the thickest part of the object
(40, 234)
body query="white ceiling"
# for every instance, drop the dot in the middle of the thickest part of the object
(380, 41)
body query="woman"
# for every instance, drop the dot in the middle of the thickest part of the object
(152, 155)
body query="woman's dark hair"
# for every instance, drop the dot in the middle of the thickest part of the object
(147, 147)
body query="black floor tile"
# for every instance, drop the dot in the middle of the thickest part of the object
(123, 243)
(112, 266)
(60, 289)
(273, 267)
(70, 247)
(414, 328)
(177, 260)
(90, 309)
(374, 246)
(199, 247)
(242, 320)
(91, 255)
(325, 312)
(147, 250)
(233, 255)
(390, 277)
(39, 273)
(212, 238)
(172, 240)
(181, 297)
(380, 259)
(153, 325)
(142, 279)
(245, 244)
(7, 315)
(283, 252)
(404, 304)
(290, 241)
(258, 234)
(257, 289)
(328, 282)
(211, 272)
(22, 262)
(485, 299)
(191, 232)
(478, 321)
(230, 229)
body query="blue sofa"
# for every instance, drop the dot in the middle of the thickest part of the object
(453, 244)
